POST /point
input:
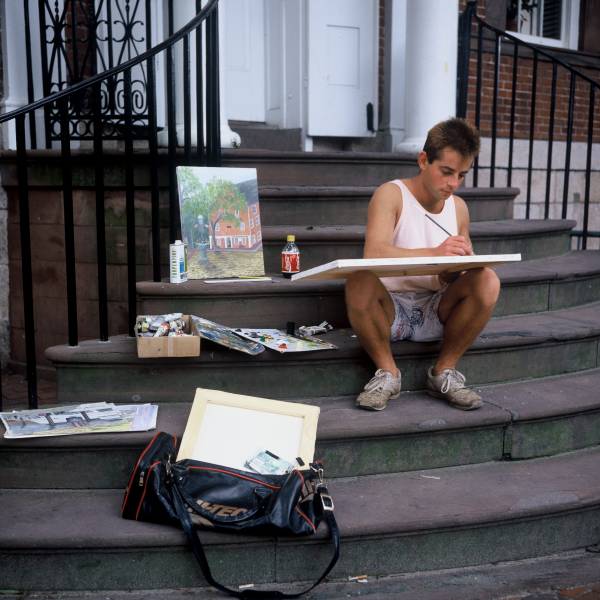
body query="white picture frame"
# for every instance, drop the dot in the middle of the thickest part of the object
(227, 429)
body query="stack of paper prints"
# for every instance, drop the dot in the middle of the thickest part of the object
(282, 342)
(220, 222)
(96, 417)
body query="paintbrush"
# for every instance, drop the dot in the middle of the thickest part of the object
(436, 223)
(442, 228)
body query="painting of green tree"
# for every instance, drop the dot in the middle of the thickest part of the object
(220, 222)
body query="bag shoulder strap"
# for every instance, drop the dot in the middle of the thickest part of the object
(192, 535)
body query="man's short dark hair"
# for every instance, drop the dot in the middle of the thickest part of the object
(454, 133)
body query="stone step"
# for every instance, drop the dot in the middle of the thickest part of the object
(323, 168)
(517, 421)
(396, 523)
(319, 245)
(267, 137)
(347, 205)
(570, 574)
(510, 348)
(530, 286)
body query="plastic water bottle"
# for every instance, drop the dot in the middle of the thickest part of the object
(178, 262)
(290, 258)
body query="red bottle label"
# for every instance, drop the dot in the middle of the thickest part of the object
(290, 262)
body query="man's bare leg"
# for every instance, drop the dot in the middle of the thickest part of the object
(465, 309)
(371, 314)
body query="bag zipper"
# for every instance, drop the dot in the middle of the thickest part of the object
(145, 485)
(269, 485)
(129, 487)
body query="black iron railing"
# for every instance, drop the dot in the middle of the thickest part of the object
(488, 54)
(80, 38)
(89, 97)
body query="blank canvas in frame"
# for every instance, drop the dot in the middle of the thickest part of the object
(228, 429)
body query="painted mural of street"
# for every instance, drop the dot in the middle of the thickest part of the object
(218, 263)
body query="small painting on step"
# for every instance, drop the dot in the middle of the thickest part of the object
(220, 222)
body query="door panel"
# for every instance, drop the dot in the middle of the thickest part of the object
(342, 66)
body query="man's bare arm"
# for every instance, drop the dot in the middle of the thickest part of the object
(385, 209)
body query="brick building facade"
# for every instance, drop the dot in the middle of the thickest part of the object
(551, 118)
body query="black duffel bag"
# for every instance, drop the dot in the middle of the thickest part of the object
(191, 494)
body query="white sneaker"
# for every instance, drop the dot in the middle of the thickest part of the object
(450, 385)
(382, 388)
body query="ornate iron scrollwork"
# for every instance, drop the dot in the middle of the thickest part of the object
(83, 37)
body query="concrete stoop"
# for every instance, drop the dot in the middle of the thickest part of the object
(347, 205)
(520, 420)
(572, 574)
(534, 285)
(321, 244)
(418, 487)
(510, 348)
(393, 523)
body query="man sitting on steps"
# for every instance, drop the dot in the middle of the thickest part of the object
(407, 218)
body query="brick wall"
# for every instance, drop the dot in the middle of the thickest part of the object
(541, 127)
(523, 98)
(543, 91)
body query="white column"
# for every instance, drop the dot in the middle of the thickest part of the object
(431, 54)
(15, 68)
(183, 12)
(394, 117)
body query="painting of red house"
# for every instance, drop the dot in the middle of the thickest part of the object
(220, 222)
(245, 234)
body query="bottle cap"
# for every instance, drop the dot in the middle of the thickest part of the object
(291, 238)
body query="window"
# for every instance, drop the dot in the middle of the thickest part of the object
(547, 22)
(217, 227)
(242, 226)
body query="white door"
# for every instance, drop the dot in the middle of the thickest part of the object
(245, 59)
(342, 67)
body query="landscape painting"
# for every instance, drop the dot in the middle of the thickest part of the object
(220, 222)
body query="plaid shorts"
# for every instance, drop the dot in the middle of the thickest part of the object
(416, 316)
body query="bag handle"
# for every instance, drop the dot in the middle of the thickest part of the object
(192, 535)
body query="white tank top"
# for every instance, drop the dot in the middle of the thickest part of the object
(415, 230)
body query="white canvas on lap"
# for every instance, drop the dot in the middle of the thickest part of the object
(398, 267)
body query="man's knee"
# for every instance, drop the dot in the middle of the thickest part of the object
(362, 288)
(486, 286)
